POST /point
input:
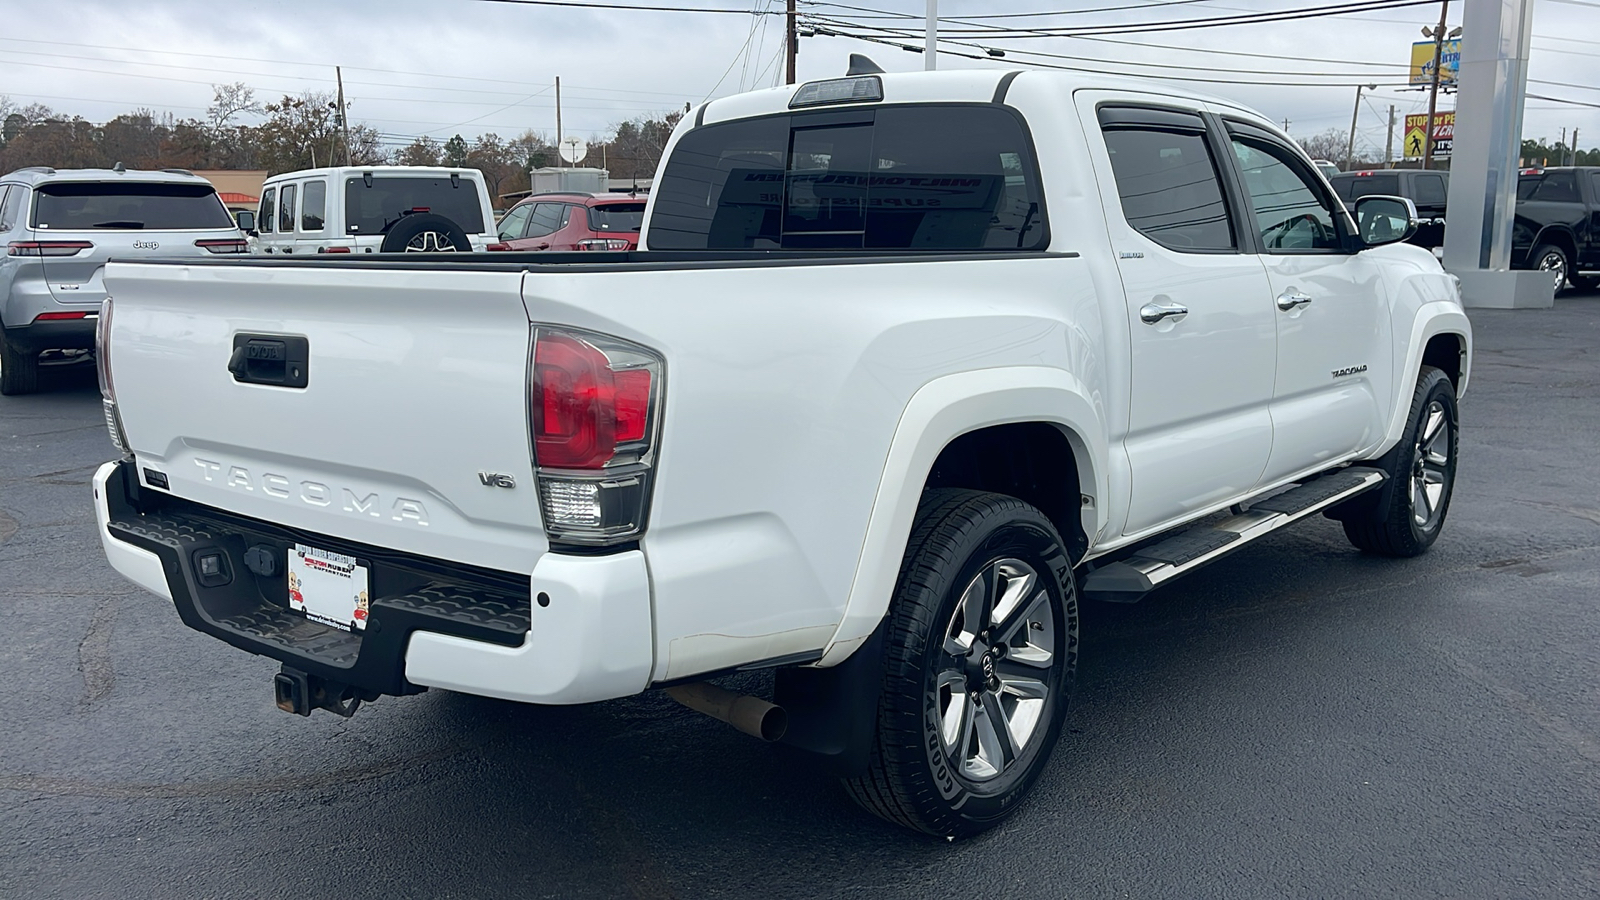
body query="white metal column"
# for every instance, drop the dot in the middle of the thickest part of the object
(1484, 160)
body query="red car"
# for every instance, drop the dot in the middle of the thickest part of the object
(572, 221)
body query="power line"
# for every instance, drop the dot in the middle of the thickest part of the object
(1120, 62)
(1251, 18)
(576, 5)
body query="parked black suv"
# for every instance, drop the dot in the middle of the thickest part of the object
(1557, 227)
(1426, 189)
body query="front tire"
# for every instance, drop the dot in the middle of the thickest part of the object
(19, 368)
(980, 651)
(1422, 476)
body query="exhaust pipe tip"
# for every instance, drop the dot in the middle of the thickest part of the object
(751, 715)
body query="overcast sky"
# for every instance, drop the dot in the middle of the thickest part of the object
(442, 67)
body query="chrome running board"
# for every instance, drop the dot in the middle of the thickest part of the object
(1147, 568)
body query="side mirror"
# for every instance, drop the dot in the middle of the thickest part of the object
(1385, 220)
(245, 219)
(252, 232)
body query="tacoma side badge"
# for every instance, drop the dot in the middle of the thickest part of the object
(495, 479)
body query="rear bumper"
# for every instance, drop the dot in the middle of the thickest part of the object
(55, 334)
(432, 623)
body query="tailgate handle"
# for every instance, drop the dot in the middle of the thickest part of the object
(280, 360)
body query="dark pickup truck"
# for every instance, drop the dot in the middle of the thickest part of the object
(1426, 189)
(1558, 224)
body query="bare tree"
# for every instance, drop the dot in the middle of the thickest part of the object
(228, 101)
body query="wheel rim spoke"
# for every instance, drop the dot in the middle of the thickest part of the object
(1013, 583)
(1030, 638)
(991, 750)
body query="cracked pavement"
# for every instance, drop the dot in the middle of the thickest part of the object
(1294, 720)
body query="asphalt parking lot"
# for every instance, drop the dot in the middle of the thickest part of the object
(1298, 720)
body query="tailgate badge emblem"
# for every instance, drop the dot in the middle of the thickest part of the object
(495, 479)
(146, 245)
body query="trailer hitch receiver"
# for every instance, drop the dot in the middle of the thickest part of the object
(301, 692)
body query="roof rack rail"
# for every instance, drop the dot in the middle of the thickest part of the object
(565, 194)
(178, 171)
(45, 169)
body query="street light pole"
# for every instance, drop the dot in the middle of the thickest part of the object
(930, 37)
(1350, 148)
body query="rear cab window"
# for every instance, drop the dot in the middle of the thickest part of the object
(128, 205)
(313, 205)
(924, 177)
(372, 210)
(1354, 187)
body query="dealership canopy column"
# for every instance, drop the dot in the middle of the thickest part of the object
(1488, 144)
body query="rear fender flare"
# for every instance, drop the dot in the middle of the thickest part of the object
(939, 412)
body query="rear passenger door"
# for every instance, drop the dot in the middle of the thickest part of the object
(1335, 354)
(1198, 308)
(545, 220)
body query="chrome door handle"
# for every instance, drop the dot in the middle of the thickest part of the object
(1151, 313)
(1292, 298)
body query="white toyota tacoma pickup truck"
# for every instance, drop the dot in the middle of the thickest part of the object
(908, 365)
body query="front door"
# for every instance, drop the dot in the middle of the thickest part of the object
(1335, 366)
(1203, 343)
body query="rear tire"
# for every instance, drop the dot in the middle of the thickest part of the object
(981, 643)
(19, 368)
(1553, 259)
(1412, 506)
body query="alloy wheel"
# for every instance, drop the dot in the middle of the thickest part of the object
(1430, 469)
(430, 242)
(1556, 265)
(993, 686)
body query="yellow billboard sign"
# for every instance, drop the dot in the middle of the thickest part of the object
(1422, 62)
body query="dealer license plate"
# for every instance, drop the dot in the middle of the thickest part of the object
(328, 587)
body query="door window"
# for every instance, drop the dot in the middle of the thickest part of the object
(1430, 190)
(1291, 213)
(313, 206)
(1170, 191)
(286, 208)
(511, 226)
(1594, 185)
(545, 219)
(265, 216)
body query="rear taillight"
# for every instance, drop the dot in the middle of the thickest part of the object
(334, 249)
(102, 365)
(604, 244)
(224, 245)
(47, 248)
(595, 412)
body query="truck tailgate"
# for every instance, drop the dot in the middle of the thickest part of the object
(415, 398)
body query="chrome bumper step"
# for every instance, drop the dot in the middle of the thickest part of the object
(1128, 580)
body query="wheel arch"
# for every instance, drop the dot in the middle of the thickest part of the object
(948, 428)
(1440, 337)
(1560, 235)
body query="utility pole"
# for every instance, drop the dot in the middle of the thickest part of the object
(1574, 146)
(1350, 148)
(1433, 89)
(1563, 145)
(791, 40)
(930, 38)
(1285, 126)
(344, 120)
(559, 157)
(1388, 142)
